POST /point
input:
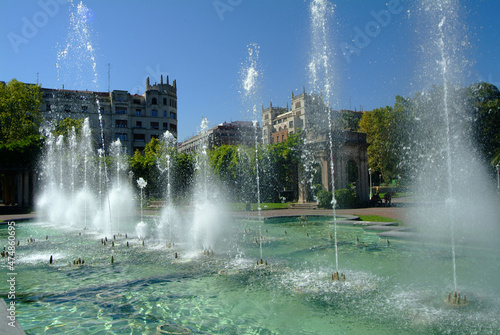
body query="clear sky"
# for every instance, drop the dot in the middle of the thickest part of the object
(203, 45)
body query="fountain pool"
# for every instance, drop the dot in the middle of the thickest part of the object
(391, 288)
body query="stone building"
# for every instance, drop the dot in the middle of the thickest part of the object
(309, 114)
(132, 118)
(233, 133)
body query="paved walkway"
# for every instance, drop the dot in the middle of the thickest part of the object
(398, 211)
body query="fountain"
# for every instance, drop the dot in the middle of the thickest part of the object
(209, 218)
(168, 220)
(323, 79)
(460, 201)
(250, 76)
(72, 279)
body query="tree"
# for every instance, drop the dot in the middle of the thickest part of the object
(20, 142)
(146, 166)
(65, 126)
(20, 117)
(485, 103)
(376, 125)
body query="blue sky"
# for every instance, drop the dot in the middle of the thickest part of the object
(203, 45)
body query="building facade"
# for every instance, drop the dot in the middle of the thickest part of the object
(309, 114)
(133, 119)
(233, 133)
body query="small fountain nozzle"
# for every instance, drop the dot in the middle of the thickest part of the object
(456, 300)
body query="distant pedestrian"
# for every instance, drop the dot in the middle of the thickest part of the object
(387, 199)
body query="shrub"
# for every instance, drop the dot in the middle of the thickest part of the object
(324, 199)
(346, 198)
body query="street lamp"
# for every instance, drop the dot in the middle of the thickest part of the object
(498, 175)
(370, 171)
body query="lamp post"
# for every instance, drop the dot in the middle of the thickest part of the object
(498, 175)
(370, 171)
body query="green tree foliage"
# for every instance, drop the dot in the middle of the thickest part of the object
(349, 120)
(147, 166)
(485, 101)
(20, 117)
(400, 137)
(65, 127)
(282, 169)
(382, 155)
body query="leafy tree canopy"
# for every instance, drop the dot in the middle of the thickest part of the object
(20, 117)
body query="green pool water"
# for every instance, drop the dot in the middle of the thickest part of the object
(392, 288)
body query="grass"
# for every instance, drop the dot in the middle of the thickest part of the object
(240, 206)
(378, 218)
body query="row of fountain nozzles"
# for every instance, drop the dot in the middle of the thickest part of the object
(208, 252)
(261, 262)
(336, 276)
(455, 299)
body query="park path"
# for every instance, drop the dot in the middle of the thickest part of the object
(398, 211)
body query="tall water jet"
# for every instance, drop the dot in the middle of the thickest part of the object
(250, 74)
(449, 174)
(164, 163)
(76, 62)
(119, 196)
(209, 216)
(322, 80)
(141, 226)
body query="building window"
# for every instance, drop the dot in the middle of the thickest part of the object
(173, 103)
(172, 115)
(136, 101)
(48, 107)
(282, 137)
(164, 101)
(155, 136)
(120, 110)
(154, 101)
(139, 137)
(67, 108)
(138, 112)
(155, 125)
(164, 113)
(121, 123)
(138, 124)
(290, 124)
(85, 109)
(297, 104)
(173, 127)
(121, 136)
(165, 125)
(266, 117)
(154, 113)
